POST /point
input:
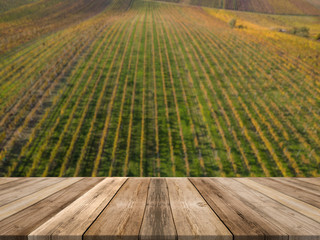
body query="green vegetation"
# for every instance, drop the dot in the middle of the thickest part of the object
(145, 88)
(301, 31)
(233, 22)
(6, 5)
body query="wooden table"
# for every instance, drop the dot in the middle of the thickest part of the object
(159, 208)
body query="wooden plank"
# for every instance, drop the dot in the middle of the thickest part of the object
(74, 220)
(305, 186)
(193, 218)
(10, 185)
(295, 204)
(301, 184)
(315, 181)
(26, 188)
(4, 180)
(241, 220)
(294, 224)
(22, 203)
(291, 190)
(20, 225)
(122, 218)
(158, 221)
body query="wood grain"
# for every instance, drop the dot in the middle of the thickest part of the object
(315, 181)
(305, 186)
(291, 190)
(122, 218)
(295, 204)
(74, 220)
(241, 220)
(22, 203)
(11, 184)
(158, 221)
(294, 224)
(159, 208)
(20, 225)
(4, 180)
(26, 188)
(193, 218)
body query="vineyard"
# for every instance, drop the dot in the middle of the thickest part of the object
(148, 88)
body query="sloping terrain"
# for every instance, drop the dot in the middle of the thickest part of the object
(315, 3)
(6, 5)
(292, 7)
(27, 22)
(276, 28)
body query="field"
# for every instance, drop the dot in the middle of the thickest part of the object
(269, 22)
(291, 7)
(148, 88)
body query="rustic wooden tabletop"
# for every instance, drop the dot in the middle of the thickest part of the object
(159, 208)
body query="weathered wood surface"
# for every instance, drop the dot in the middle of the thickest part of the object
(158, 221)
(27, 201)
(192, 215)
(122, 218)
(159, 208)
(74, 220)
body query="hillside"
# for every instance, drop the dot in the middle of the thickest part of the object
(268, 22)
(149, 88)
(6, 5)
(25, 22)
(292, 7)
